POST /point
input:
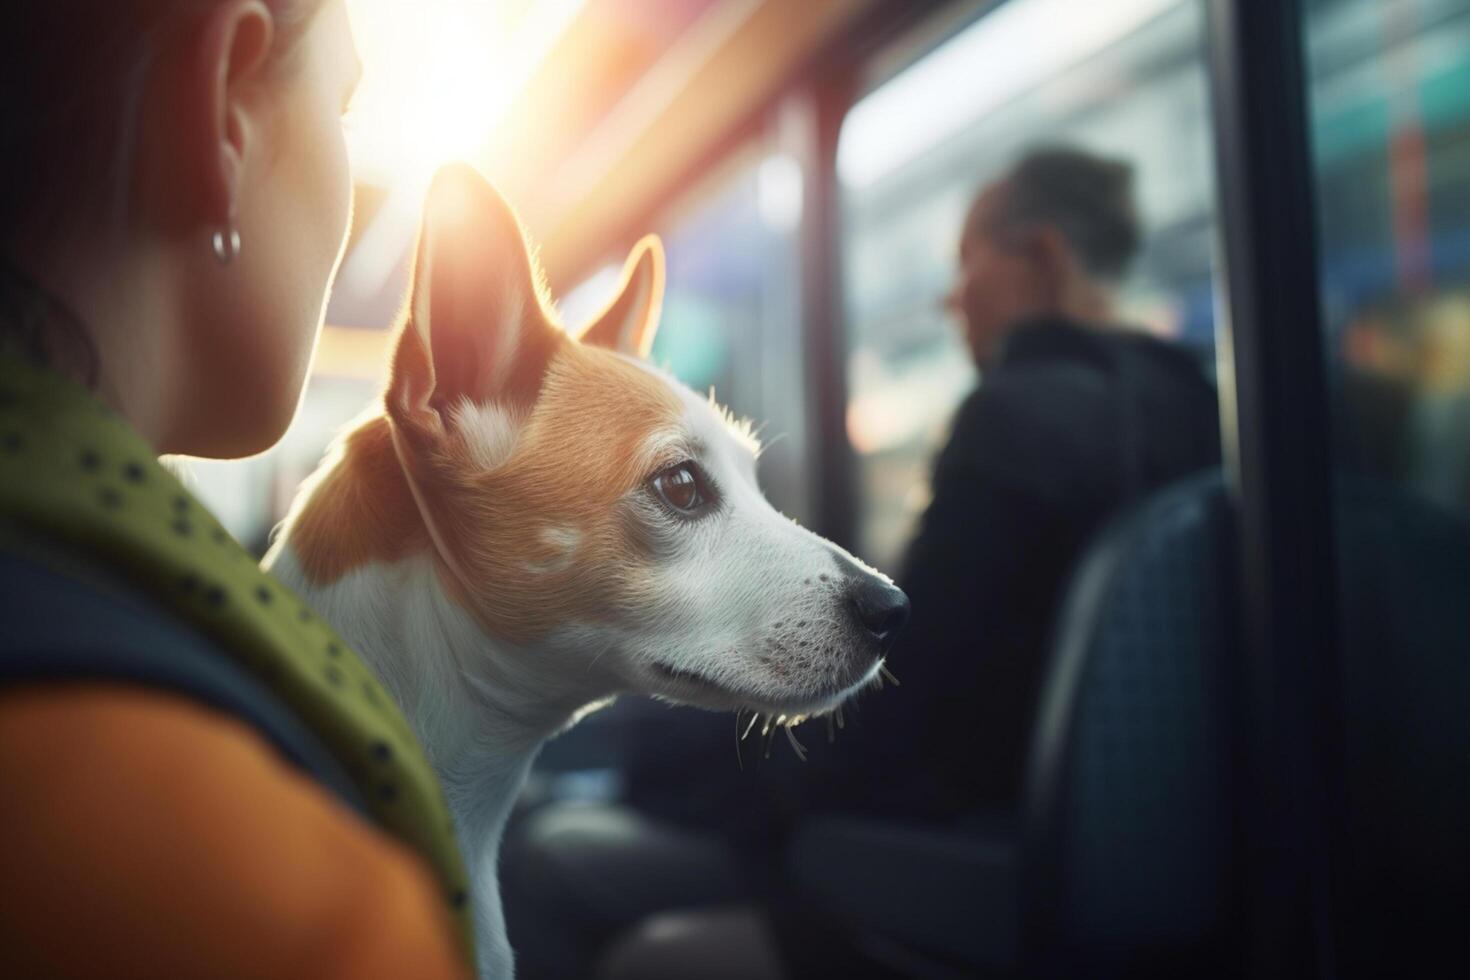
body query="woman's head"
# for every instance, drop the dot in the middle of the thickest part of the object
(138, 130)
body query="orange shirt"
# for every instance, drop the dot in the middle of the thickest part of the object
(144, 835)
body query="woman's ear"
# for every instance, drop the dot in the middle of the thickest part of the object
(629, 323)
(476, 330)
(231, 54)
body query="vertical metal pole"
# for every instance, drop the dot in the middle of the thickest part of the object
(832, 470)
(1278, 436)
(835, 75)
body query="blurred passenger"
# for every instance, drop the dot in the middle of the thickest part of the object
(1076, 418)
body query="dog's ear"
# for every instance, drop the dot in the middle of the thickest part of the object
(628, 323)
(476, 328)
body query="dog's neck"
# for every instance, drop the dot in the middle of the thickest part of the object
(481, 709)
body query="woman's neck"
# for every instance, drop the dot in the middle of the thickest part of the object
(96, 316)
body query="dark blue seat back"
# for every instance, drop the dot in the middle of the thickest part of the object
(1130, 861)
(1126, 809)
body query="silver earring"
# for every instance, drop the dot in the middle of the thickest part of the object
(227, 244)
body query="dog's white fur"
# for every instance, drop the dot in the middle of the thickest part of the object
(742, 609)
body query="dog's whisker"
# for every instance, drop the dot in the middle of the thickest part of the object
(765, 445)
(840, 722)
(739, 760)
(594, 660)
(796, 746)
(753, 719)
(884, 671)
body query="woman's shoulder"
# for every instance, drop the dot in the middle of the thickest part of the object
(176, 839)
(70, 619)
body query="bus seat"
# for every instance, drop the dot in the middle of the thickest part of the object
(1126, 809)
(1127, 853)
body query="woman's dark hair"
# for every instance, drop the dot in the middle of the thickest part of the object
(73, 75)
(1088, 198)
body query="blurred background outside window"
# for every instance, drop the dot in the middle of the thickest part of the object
(1390, 105)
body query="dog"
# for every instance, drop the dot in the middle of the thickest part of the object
(531, 523)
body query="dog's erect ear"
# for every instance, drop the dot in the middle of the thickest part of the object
(476, 328)
(630, 321)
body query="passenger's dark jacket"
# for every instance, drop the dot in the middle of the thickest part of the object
(1069, 426)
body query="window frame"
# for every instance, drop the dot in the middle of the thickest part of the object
(1275, 419)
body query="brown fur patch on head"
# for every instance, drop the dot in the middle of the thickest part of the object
(359, 512)
(584, 447)
(542, 539)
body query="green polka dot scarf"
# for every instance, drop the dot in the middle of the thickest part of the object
(76, 471)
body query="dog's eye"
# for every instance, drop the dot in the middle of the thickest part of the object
(681, 488)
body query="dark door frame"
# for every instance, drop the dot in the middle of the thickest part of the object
(835, 80)
(1276, 422)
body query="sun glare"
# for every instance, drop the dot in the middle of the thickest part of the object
(439, 75)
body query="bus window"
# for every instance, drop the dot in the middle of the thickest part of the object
(1389, 100)
(1131, 84)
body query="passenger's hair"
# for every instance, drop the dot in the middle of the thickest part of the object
(1088, 198)
(73, 75)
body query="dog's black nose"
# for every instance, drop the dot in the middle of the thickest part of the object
(881, 608)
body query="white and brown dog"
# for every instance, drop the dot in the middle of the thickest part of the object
(531, 524)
